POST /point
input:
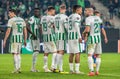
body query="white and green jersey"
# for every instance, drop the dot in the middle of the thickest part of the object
(17, 25)
(74, 27)
(34, 25)
(47, 22)
(94, 23)
(61, 23)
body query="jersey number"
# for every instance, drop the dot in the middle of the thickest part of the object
(19, 26)
(70, 25)
(57, 24)
(44, 26)
(96, 29)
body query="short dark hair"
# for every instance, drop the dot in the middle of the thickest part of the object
(13, 10)
(50, 8)
(62, 6)
(75, 7)
(96, 12)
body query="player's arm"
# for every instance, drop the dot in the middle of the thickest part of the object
(29, 30)
(25, 35)
(6, 36)
(86, 32)
(87, 29)
(77, 28)
(30, 21)
(104, 34)
(65, 23)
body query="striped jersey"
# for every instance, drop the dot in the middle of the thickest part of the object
(34, 25)
(17, 25)
(47, 22)
(61, 23)
(74, 27)
(94, 22)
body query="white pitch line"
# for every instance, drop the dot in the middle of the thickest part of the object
(110, 75)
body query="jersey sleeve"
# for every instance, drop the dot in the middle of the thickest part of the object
(88, 22)
(31, 21)
(9, 23)
(65, 22)
(77, 26)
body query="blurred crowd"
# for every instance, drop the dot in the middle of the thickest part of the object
(113, 6)
(26, 7)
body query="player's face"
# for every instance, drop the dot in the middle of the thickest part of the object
(37, 13)
(86, 12)
(98, 14)
(79, 11)
(10, 14)
(53, 12)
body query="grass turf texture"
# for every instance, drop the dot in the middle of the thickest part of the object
(110, 68)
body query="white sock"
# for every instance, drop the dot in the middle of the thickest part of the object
(45, 62)
(98, 62)
(57, 59)
(19, 61)
(35, 54)
(90, 63)
(77, 67)
(15, 61)
(71, 66)
(54, 64)
(60, 62)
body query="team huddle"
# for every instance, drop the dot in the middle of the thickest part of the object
(56, 30)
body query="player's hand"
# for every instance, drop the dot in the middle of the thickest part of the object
(106, 40)
(4, 44)
(80, 40)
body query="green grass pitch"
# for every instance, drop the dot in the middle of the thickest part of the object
(110, 68)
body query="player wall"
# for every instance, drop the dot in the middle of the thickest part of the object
(112, 46)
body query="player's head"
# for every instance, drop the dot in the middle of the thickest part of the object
(36, 12)
(51, 10)
(77, 9)
(89, 11)
(12, 13)
(62, 8)
(97, 13)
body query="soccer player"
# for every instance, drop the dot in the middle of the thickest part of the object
(74, 38)
(18, 26)
(33, 27)
(61, 22)
(97, 13)
(93, 38)
(47, 23)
